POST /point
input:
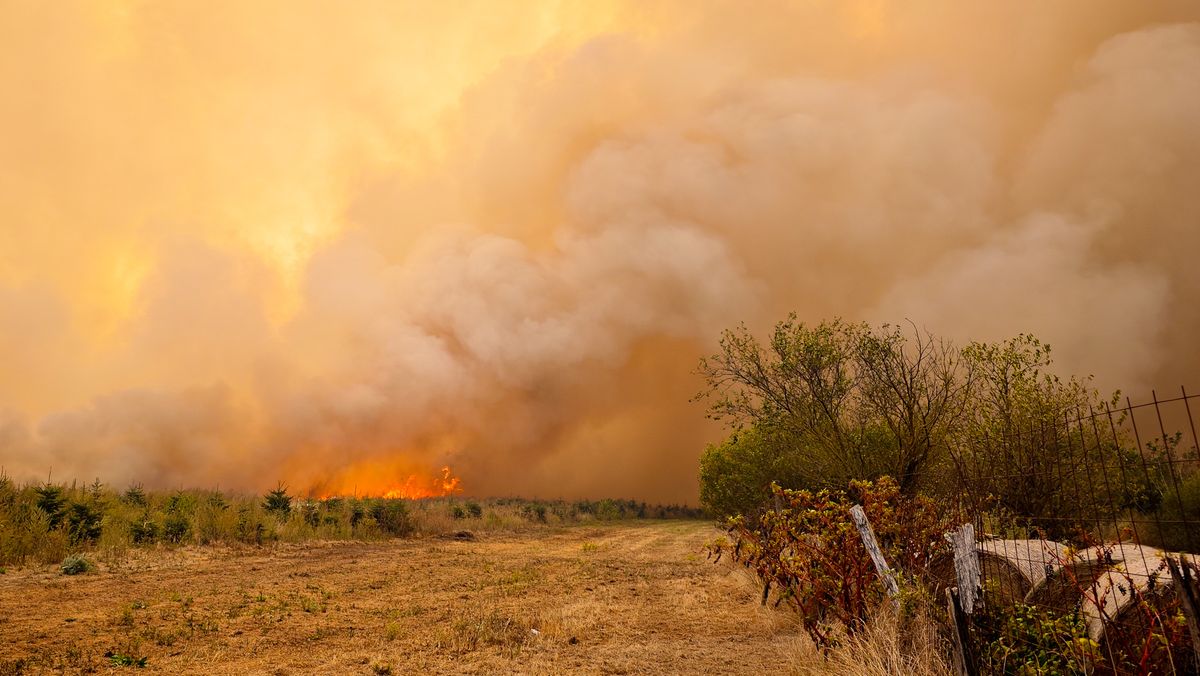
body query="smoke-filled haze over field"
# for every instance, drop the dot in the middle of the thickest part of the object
(339, 244)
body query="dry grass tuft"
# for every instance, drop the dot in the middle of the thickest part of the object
(891, 645)
(480, 628)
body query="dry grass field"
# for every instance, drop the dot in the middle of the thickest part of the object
(618, 597)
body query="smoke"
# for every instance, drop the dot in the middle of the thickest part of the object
(335, 246)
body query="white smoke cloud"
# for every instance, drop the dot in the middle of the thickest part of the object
(524, 292)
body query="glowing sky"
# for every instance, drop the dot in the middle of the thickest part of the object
(339, 242)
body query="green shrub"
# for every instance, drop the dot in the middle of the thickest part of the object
(609, 510)
(180, 503)
(122, 660)
(392, 517)
(175, 528)
(310, 513)
(1025, 639)
(249, 527)
(357, 513)
(76, 564)
(535, 512)
(135, 496)
(83, 523)
(474, 510)
(52, 502)
(278, 502)
(1170, 494)
(214, 521)
(736, 474)
(143, 531)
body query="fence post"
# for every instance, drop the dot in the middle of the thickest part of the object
(868, 537)
(966, 566)
(1181, 575)
(964, 659)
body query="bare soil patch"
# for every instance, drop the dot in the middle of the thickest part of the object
(627, 597)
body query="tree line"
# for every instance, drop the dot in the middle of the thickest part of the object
(817, 406)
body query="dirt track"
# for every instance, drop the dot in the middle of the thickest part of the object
(614, 598)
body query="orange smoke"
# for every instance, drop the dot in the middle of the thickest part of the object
(343, 245)
(364, 481)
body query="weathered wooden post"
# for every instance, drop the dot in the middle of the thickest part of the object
(1185, 589)
(868, 537)
(961, 600)
(966, 566)
(964, 659)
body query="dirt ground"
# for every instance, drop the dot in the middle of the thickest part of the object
(634, 597)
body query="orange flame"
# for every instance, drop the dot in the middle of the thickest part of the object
(367, 481)
(416, 486)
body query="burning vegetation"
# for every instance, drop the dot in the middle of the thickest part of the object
(415, 486)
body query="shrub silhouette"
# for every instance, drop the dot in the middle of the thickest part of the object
(76, 564)
(50, 500)
(392, 517)
(135, 495)
(144, 531)
(176, 528)
(278, 502)
(83, 523)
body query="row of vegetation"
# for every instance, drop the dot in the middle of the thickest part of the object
(50, 522)
(988, 424)
(926, 435)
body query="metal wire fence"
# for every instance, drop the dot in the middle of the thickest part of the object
(1088, 527)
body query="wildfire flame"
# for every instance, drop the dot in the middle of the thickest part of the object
(367, 481)
(416, 486)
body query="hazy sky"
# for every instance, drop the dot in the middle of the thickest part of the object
(339, 243)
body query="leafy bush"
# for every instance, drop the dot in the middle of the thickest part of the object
(474, 510)
(175, 528)
(76, 564)
(180, 502)
(143, 531)
(810, 552)
(608, 509)
(249, 527)
(1025, 639)
(736, 474)
(83, 523)
(1171, 492)
(392, 517)
(310, 511)
(123, 660)
(534, 512)
(212, 519)
(1022, 436)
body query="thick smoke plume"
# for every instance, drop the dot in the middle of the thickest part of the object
(339, 244)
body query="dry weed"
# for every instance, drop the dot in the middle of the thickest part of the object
(891, 645)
